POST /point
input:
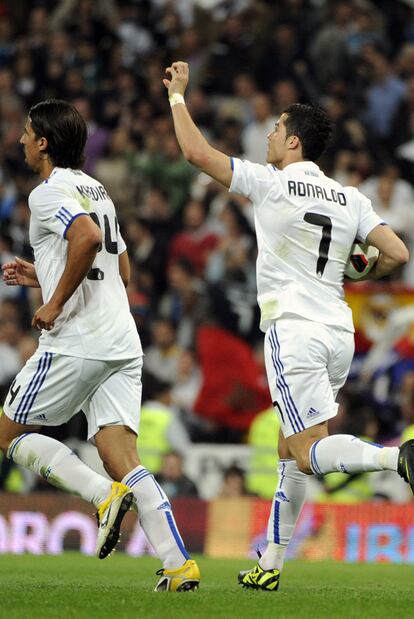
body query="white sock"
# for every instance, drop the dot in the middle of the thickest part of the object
(286, 507)
(59, 465)
(156, 518)
(348, 454)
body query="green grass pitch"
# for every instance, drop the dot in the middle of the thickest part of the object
(72, 585)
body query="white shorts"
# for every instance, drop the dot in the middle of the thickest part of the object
(51, 388)
(306, 363)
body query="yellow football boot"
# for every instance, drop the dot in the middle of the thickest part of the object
(110, 515)
(185, 578)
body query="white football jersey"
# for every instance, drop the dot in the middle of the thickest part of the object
(305, 224)
(96, 322)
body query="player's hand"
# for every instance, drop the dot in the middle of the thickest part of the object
(46, 315)
(178, 78)
(20, 273)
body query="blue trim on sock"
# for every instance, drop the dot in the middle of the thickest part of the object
(162, 494)
(313, 463)
(176, 535)
(10, 452)
(276, 536)
(137, 478)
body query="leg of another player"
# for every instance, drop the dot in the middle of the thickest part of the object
(49, 458)
(118, 451)
(316, 452)
(286, 507)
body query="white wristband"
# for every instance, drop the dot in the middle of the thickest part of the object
(176, 98)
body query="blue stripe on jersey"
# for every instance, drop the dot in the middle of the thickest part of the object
(61, 214)
(299, 420)
(41, 380)
(232, 163)
(27, 393)
(14, 444)
(58, 216)
(278, 368)
(176, 535)
(65, 210)
(71, 222)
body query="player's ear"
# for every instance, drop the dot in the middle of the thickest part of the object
(293, 142)
(42, 144)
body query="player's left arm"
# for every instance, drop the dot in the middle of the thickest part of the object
(393, 252)
(124, 268)
(193, 144)
(84, 238)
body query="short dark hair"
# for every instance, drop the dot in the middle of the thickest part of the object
(65, 130)
(313, 127)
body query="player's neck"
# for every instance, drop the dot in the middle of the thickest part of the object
(291, 157)
(46, 169)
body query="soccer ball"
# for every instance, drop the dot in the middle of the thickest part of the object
(361, 260)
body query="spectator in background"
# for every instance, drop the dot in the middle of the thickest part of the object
(234, 483)
(393, 199)
(172, 478)
(187, 383)
(231, 275)
(146, 249)
(97, 135)
(166, 168)
(184, 302)
(195, 242)
(384, 94)
(328, 49)
(285, 92)
(160, 430)
(113, 169)
(10, 361)
(255, 134)
(162, 357)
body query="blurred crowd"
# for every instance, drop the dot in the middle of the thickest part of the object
(191, 243)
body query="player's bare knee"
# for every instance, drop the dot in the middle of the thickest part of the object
(302, 460)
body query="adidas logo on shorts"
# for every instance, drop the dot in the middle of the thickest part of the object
(312, 412)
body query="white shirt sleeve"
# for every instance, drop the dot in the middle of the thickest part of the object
(121, 243)
(252, 180)
(54, 208)
(368, 218)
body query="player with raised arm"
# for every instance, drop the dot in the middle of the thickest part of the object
(306, 224)
(89, 355)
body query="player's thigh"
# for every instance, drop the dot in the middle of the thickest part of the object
(117, 401)
(50, 388)
(340, 358)
(296, 357)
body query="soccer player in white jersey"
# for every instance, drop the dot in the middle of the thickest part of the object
(305, 225)
(89, 355)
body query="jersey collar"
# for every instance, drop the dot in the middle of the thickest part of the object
(303, 165)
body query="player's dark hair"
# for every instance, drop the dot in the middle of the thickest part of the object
(65, 130)
(311, 125)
